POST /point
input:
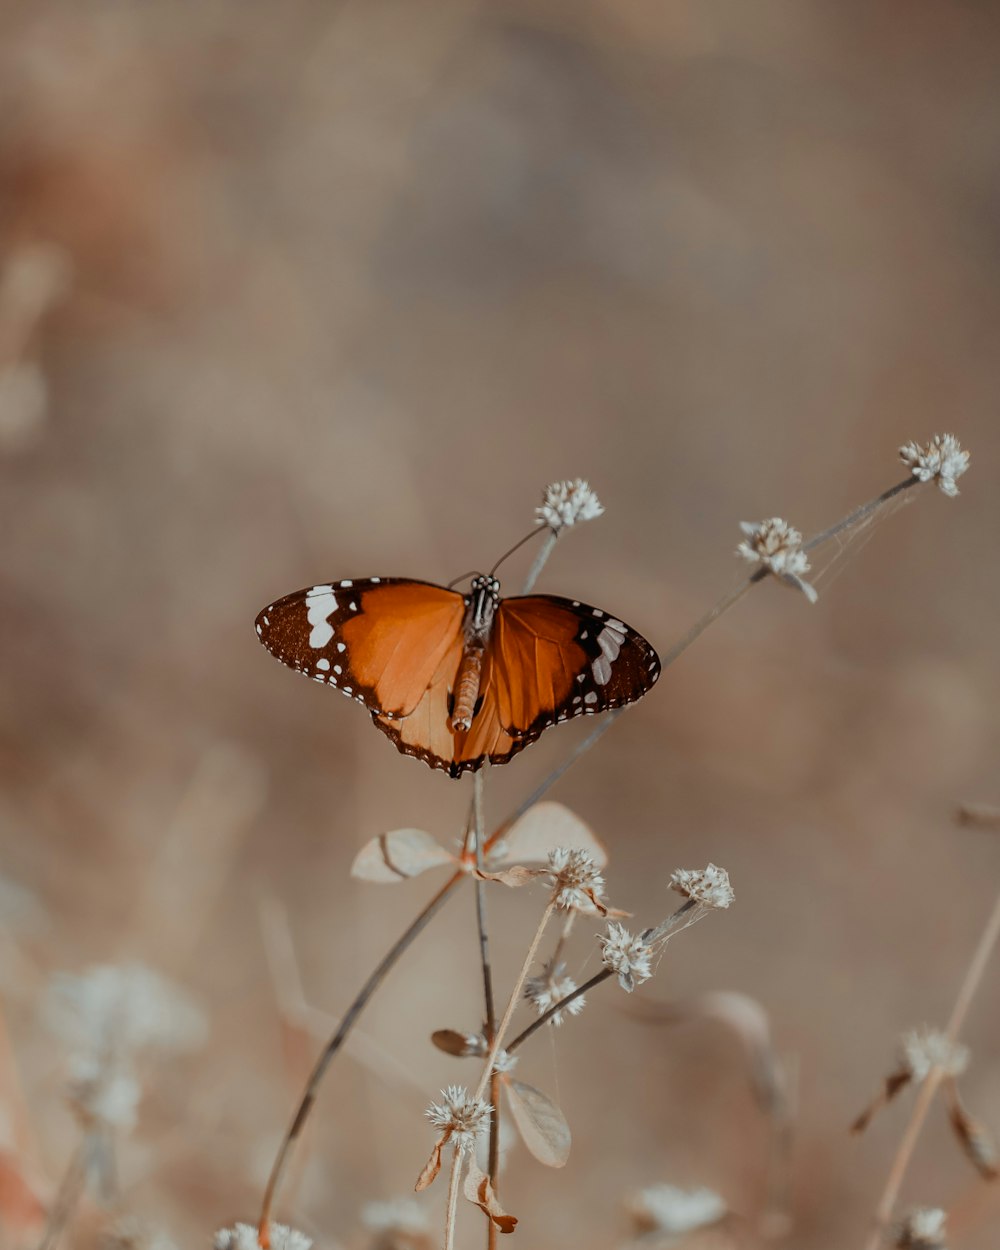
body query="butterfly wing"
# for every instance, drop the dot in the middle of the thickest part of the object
(381, 641)
(427, 734)
(556, 658)
(549, 659)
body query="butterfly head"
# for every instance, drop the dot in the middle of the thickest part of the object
(483, 600)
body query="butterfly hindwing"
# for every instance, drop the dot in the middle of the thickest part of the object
(380, 641)
(558, 658)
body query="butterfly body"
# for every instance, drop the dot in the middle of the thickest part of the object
(458, 680)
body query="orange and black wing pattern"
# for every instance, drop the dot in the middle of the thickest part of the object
(380, 641)
(548, 660)
(555, 659)
(397, 646)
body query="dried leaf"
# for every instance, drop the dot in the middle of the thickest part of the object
(894, 1082)
(433, 1164)
(975, 1138)
(398, 856)
(478, 1190)
(460, 1044)
(541, 1124)
(514, 877)
(545, 826)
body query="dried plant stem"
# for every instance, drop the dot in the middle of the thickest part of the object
(925, 1096)
(348, 1022)
(859, 514)
(68, 1195)
(544, 551)
(490, 1016)
(515, 998)
(453, 1182)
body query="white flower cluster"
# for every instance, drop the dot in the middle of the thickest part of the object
(627, 955)
(922, 1229)
(109, 1015)
(568, 503)
(125, 1008)
(668, 1209)
(707, 886)
(576, 881)
(244, 1237)
(549, 987)
(923, 1049)
(941, 458)
(777, 546)
(462, 1117)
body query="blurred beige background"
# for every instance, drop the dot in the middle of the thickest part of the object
(329, 290)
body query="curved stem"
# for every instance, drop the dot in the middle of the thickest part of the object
(334, 1044)
(933, 1079)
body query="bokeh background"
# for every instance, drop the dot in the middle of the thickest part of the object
(333, 289)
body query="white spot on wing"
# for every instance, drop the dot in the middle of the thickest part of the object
(601, 668)
(590, 697)
(321, 603)
(323, 663)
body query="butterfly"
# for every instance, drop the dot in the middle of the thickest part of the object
(456, 679)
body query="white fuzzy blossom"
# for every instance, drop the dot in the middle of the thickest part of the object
(777, 546)
(941, 458)
(708, 886)
(460, 1116)
(244, 1237)
(668, 1209)
(627, 955)
(399, 1221)
(551, 985)
(109, 1015)
(577, 885)
(568, 503)
(923, 1049)
(100, 1096)
(128, 1232)
(922, 1229)
(504, 1062)
(122, 1008)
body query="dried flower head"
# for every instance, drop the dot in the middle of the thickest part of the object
(504, 1062)
(398, 1224)
(922, 1229)
(708, 886)
(128, 1232)
(667, 1209)
(567, 503)
(549, 987)
(577, 885)
(941, 458)
(461, 1117)
(924, 1048)
(627, 955)
(100, 1096)
(122, 1010)
(244, 1237)
(777, 546)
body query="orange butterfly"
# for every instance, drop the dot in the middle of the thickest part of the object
(454, 679)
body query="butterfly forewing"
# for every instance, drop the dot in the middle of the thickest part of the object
(378, 640)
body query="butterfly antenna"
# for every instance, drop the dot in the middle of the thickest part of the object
(455, 580)
(541, 529)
